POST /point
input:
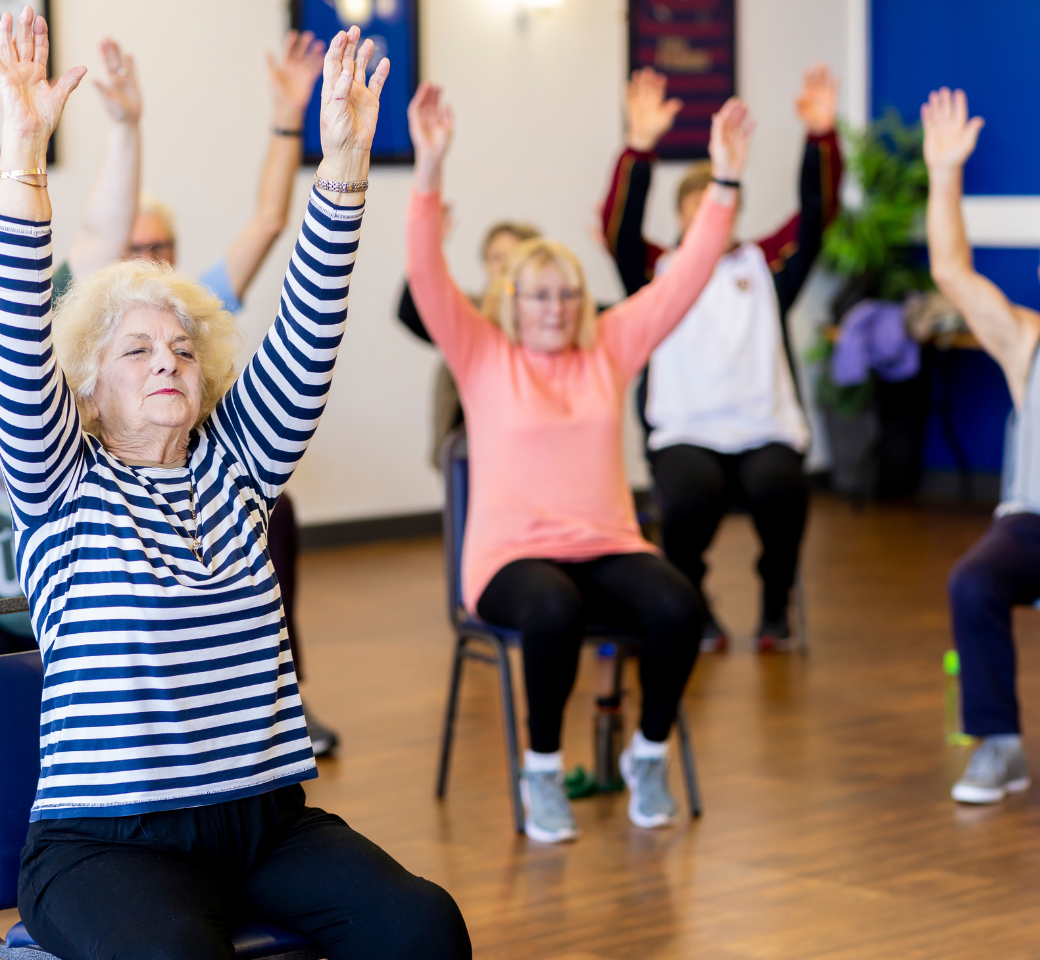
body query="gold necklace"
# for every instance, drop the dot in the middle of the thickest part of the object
(196, 542)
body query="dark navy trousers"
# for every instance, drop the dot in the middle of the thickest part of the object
(1002, 570)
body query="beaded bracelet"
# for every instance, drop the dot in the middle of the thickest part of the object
(355, 186)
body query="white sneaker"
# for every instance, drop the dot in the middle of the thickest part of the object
(997, 767)
(650, 801)
(547, 811)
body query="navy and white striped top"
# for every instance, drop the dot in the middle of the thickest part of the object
(168, 682)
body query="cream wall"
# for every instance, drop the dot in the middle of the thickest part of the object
(538, 124)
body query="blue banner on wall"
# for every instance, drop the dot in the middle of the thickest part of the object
(393, 25)
(989, 50)
(693, 44)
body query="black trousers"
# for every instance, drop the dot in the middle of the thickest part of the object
(1002, 570)
(697, 486)
(550, 603)
(171, 885)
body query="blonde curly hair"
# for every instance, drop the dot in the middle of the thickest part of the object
(88, 315)
(500, 302)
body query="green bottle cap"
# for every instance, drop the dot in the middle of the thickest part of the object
(951, 663)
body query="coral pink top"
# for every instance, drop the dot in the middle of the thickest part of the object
(547, 472)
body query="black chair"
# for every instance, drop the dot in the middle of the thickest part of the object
(496, 641)
(21, 689)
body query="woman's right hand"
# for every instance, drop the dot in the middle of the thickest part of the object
(31, 106)
(430, 123)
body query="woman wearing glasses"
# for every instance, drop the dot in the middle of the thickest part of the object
(552, 540)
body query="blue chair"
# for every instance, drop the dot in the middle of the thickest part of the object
(21, 688)
(496, 641)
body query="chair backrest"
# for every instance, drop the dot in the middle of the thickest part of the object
(455, 466)
(21, 688)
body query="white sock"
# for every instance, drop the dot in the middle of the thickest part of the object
(643, 749)
(543, 762)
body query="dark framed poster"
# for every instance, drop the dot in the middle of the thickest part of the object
(693, 43)
(393, 25)
(43, 9)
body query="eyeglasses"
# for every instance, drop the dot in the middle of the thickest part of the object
(566, 297)
(153, 251)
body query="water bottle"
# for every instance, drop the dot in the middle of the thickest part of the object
(952, 669)
(608, 734)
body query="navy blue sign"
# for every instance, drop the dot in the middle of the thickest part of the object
(393, 26)
(692, 42)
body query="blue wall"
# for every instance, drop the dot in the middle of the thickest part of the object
(988, 48)
(992, 51)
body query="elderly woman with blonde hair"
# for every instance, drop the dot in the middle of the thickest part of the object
(552, 540)
(142, 473)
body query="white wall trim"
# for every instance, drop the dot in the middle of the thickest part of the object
(997, 221)
(858, 59)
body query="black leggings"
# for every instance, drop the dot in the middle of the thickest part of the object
(551, 603)
(171, 885)
(696, 487)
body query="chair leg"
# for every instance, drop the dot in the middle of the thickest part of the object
(803, 626)
(449, 717)
(505, 677)
(693, 792)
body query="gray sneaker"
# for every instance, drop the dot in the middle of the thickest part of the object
(650, 802)
(997, 767)
(548, 816)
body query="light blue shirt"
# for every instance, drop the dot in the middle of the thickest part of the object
(217, 281)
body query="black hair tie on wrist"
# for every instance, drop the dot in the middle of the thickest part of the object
(286, 132)
(735, 184)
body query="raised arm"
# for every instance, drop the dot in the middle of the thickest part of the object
(447, 314)
(792, 250)
(272, 410)
(1008, 332)
(292, 82)
(40, 439)
(632, 329)
(108, 218)
(649, 117)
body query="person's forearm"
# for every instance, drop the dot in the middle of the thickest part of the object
(18, 200)
(428, 174)
(277, 179)
(108, 219)
(948, 247)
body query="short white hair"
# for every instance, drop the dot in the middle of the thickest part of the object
(88, 315)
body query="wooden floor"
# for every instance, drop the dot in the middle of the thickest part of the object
(828, 831)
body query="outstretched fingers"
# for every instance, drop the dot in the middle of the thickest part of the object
(23, 34)
(68, 82)
(7, 53)
(361, 63)
(333, 67)
(41, 42)
(379, 75)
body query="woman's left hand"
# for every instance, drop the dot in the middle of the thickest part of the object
(349, 108)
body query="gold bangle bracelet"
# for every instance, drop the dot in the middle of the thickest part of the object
(21, 175)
